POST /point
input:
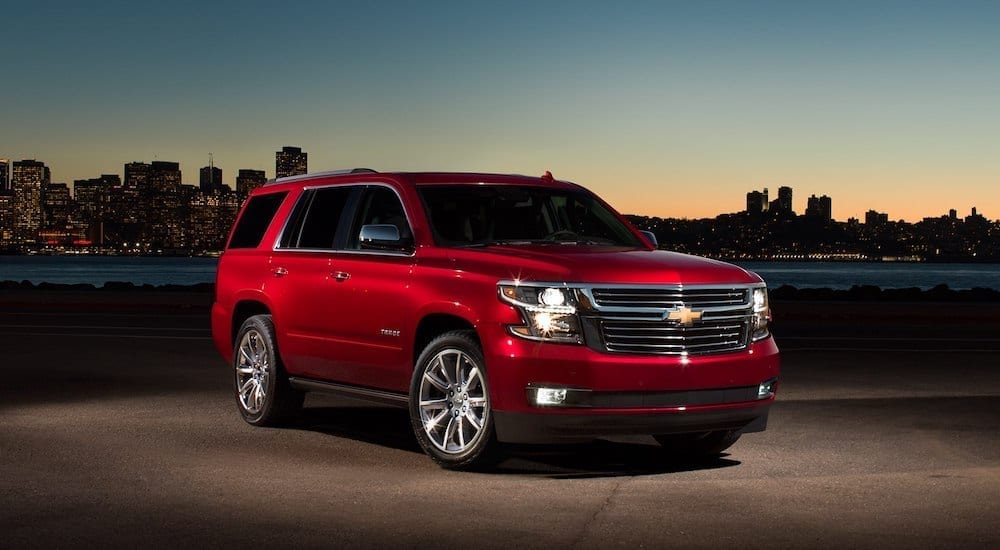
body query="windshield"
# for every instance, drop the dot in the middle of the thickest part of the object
(483, 215)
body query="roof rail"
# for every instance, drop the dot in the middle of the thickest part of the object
(322, 174)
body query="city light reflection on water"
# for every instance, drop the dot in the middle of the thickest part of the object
(844, 275)
(97, 270)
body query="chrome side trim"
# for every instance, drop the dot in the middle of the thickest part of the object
(276, 248)
(370, 394)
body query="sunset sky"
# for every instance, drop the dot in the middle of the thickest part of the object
(673, 109)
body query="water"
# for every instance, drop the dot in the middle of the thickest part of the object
(844, 275)
(97, 270)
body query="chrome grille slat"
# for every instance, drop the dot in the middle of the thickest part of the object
(668, 298)
(636, 320)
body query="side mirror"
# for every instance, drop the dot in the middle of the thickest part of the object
(651, 238)
(382, 237)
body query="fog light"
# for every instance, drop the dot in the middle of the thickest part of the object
(765, 389)
(550, 396)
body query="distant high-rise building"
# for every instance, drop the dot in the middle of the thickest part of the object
(27, 179)
(209, 218)
(784, 201)
(874, 218)
(757, 202)
(820, 207)
(210, 179)
(248, 180)
(290, 161)
(164, 177)
(137, 175)
(56, 204)
(128, 204)
(4, 176)
(6, 220)
(165, 229)
(93, 199)
(953, 214)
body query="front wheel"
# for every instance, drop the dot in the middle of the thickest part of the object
(698, 446)
(450, 403)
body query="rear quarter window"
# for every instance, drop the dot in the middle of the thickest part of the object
(256, 218)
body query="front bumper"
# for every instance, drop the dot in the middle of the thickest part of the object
(609, 394)
(513, 427)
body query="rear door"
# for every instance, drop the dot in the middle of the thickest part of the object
(300, 284)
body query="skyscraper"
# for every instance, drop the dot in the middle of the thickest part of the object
(165, 224)
(248, 180)
(820, 207)
(290, 161)
(137, 175)
(210, 179)
(6, 220)
(874, 218)
(56, 203)
(757, 202)
(4, 176)
(164, 177)
(93, 200)
(784, 201)
(27, 179)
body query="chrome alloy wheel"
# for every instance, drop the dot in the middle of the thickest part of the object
(454, 405)
(253, 368)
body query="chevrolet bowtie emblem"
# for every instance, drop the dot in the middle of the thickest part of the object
(684, 315)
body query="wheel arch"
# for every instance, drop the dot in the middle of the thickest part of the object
(433, 325)
(243, 310)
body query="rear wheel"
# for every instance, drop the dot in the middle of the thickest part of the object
(450, 403)
(263, 394)
(698, 446)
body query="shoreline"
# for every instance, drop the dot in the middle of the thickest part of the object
(859, 306)
(784, 293)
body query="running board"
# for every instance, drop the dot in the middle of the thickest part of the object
(357, 392)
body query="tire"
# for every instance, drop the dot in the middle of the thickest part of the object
(263, 394)
(698, 446)
(450, 403)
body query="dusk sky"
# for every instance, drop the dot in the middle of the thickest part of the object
(673, 109)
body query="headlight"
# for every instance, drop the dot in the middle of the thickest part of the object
(761, 313)
(549, 312)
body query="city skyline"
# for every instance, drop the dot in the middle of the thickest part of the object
(664, 109)
(293, 161)
(152, 211)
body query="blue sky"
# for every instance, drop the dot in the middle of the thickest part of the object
(664, 108)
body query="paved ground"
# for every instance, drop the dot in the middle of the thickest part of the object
(118, 429)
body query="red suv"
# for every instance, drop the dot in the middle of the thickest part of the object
(497, 308)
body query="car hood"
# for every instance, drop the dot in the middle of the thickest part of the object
(574, 263)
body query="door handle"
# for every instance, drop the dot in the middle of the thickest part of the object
(340, 276)
(279, 272)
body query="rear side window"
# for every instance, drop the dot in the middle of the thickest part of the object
(256, 218)
(317, 218)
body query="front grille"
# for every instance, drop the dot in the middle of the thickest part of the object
(668, 298)
(669, 337)
(637, 320)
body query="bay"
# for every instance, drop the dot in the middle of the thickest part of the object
(97, 270)
(844, 275)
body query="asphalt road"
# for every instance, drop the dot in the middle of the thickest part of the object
(117, 428)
